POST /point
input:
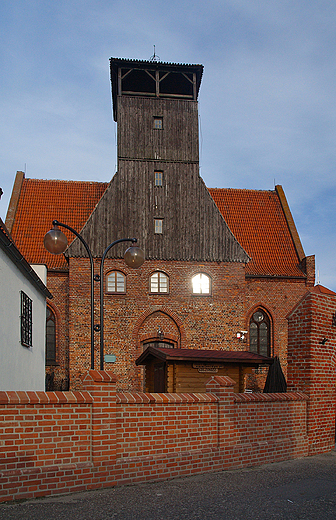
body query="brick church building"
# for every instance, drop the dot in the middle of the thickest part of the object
(223, 268)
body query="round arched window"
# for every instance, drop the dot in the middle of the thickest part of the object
(201, 284)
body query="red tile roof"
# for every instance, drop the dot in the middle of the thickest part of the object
(257, 220)
(9, 247)
(320, 289)
(42, 201)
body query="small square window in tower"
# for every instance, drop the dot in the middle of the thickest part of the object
(158, 178)
(158, 226)
(158, 123)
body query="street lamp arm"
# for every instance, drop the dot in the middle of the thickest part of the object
(133, 240)
(57, 223)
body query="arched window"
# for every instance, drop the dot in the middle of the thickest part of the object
(116, 282)
(159, 283)
(50, 338)
(201, 284)
(260, 333)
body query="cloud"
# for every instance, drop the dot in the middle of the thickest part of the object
(267, 100)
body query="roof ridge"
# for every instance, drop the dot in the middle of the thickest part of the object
(242, 189)
(160, 62)
(66, 181)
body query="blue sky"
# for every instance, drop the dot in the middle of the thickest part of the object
(267, 100)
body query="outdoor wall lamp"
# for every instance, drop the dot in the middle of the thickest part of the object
(242, 335)
(56, 243)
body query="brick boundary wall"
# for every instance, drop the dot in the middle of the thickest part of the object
(61, 442)
(312, 364)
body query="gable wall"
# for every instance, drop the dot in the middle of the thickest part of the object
(277, 297)
(187, 320)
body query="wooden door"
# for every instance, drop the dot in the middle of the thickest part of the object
(159, 377)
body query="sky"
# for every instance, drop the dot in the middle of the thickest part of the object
(267, 99)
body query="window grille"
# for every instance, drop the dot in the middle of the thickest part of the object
(26, 320)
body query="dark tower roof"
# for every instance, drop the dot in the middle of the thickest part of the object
(154, 79)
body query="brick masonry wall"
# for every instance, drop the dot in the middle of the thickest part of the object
(277, 297)
(191, 321)
(58, 284)
(58, 442)
(187, 320)
(156, 424)
(312, 364)
(44, 429)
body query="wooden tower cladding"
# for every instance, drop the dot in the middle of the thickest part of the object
(157, 194)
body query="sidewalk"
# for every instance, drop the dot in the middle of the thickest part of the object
(298, 489)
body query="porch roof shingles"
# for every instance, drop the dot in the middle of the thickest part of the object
(200, 355)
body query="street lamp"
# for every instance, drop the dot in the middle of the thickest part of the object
(56, 243)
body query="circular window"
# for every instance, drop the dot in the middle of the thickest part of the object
(258, 316)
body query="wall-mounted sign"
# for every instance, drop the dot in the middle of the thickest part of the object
(207, 368)
(110, 358)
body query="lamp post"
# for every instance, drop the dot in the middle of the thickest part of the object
(56, 243)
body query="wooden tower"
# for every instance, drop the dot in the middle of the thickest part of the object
(157, 194)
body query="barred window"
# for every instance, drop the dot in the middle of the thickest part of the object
(159, 283)
(26, 320)
(116, 282)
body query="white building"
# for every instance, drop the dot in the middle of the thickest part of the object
(22, 319)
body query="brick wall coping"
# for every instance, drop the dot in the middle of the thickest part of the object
(21, 397)
(100, 376)
(259, 397)
(166, 398)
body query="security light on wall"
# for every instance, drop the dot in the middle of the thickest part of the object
(241, 335)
